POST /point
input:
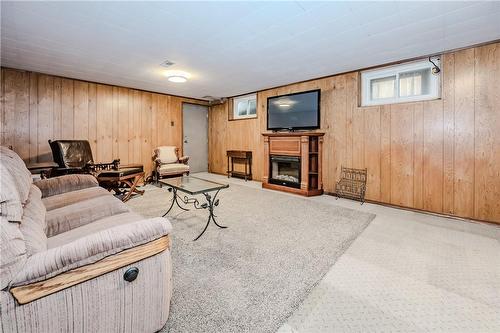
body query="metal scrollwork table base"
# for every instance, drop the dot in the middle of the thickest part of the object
(193, 186)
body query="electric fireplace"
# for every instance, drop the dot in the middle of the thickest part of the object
(285, 170)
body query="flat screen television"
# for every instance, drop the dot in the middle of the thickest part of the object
(294, 111)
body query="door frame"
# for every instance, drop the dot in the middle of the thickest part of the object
(208, 130)
(182, 121)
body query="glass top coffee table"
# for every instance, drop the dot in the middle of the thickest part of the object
(193, 186)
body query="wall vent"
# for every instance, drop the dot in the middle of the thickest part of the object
(215, 100)
(167, 63)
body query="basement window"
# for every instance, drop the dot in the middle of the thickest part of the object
(245, 107)
(408, 82)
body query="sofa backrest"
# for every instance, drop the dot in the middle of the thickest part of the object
(15, 183)
(13, 251)
(22, 215)
(71, 153)
(13, 165)
(33, 224)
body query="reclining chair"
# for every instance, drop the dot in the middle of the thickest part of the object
(75, 156)
(73, 258)
(168, 163)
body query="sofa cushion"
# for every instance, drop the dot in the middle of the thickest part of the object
(166, 154)
(66, 183)
(13, 251)
(33, 224)
(173, 168)
(16, 167)
(81, 213)
(96, 226)
(69, 198)
(10, 203)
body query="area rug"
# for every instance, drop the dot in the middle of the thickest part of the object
(251, 276)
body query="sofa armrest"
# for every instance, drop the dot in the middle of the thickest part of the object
(184, 159)
(91, 249)
(63, 184)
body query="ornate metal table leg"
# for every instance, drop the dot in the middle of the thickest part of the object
(211, 202)
(204, 229)
(174, 200)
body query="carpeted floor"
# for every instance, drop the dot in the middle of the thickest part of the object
(252, 275)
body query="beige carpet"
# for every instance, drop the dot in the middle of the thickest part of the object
(252, 275)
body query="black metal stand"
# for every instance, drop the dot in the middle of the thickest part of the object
(210, 204)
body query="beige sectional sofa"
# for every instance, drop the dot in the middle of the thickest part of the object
(75, 259)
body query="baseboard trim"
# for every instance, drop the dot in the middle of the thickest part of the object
(454, 217)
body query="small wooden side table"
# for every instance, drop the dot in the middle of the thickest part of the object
(241, 156)
(123, 181)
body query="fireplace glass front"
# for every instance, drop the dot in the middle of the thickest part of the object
(285, 170)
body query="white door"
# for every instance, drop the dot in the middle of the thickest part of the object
(195, 130)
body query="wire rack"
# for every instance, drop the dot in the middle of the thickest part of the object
(352, 184)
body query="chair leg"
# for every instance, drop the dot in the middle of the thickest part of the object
(132, 188)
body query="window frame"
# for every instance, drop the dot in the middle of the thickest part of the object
(382, 72)
(246, 98)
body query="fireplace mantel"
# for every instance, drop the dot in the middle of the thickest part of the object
(308, 146)
(296, 133)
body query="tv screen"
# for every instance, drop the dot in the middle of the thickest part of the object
(294, 111)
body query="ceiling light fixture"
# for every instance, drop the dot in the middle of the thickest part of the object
(177, 79)
(177, 76)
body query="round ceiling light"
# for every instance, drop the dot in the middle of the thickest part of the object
(177, 76)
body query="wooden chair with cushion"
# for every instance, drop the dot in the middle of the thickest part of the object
(168, 163)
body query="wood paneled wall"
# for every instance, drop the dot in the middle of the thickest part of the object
(118, 122)
(441, 156)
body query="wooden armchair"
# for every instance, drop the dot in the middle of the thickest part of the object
(168, 163)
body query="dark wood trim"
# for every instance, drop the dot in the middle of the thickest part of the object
(307, 193)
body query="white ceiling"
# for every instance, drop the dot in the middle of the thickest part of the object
(231, 48)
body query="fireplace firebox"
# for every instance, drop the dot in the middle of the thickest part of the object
(285, 170)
